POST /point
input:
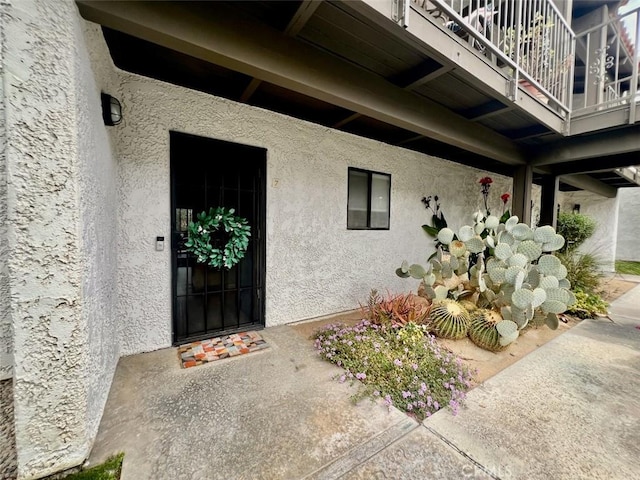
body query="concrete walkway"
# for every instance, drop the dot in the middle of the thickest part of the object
(569, 410)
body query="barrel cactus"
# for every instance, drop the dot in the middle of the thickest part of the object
(448, 319)
(489, 331)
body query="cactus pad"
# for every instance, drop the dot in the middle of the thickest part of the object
(445, 236)
(530, 249)
(556, 244)
(522, 231)
(539, 297)
(448, 319)
(518, 260)
(553, 306)
(562, 272)
(523, 298)
(492, 222)
(506, 237)
(503, 251)
(549, 265)
(465, 233)
(548, 282)
(508, 331)
(512, 274)
(510, 223)
(552, 321)
(417, 271)
(475, 244)
(544, 234)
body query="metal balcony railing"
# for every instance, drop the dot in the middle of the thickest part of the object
(607, 60)
(530, 41)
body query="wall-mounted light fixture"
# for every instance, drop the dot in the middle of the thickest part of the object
(111, 110)
(576, 208)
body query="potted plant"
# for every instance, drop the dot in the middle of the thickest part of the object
(532, 47)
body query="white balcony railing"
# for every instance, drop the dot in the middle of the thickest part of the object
(530, 41)
(607, 60)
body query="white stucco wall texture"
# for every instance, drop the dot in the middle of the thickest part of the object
(61, 236)
(628, 247)
(605, 213)
(6, 332)
(98, 170)
(315, 266)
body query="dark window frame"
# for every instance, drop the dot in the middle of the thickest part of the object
(370, 174)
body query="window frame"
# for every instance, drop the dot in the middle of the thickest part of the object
(370, 174)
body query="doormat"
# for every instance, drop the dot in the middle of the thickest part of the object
(205, 351)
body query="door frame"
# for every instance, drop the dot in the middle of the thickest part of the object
(258, 235)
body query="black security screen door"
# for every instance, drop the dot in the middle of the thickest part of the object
(209, 173)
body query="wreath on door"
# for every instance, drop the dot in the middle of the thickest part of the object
(218, 238)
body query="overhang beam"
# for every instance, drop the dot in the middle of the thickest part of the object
(305, 11)
(267, 54)
(596, 165)
(604, 144)
(585, 182)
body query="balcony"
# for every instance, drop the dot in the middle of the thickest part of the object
(606, 92)
(528, 42)
(483, 84)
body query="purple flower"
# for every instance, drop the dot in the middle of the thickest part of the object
(406, 394)
(361, 376)
(376, 393)
(342, 378)
(397, 363)
(414, 366)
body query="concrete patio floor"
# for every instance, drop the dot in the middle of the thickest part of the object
(568, 410)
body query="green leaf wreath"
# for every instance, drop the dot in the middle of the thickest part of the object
(205, 245)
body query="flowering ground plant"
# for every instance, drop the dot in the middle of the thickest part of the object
(403, 365)
(218, 238)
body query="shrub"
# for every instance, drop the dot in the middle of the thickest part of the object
(588, 305)
(402, 365)
(575, 228)
(583, 270)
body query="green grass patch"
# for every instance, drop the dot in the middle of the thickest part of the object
(631, 268)
(109, 470)
(403, 365)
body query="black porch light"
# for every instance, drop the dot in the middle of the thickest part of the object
(111, 110)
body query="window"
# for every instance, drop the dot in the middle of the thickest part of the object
(369, 200)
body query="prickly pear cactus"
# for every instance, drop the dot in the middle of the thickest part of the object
(504, 267)
(448, 319)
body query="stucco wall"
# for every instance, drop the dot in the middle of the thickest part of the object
(6, 335)
(315, 266)
(98, 210)
(628, 246)
(605, 212)
(61, 237)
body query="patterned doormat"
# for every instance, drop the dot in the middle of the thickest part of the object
(197, 353)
